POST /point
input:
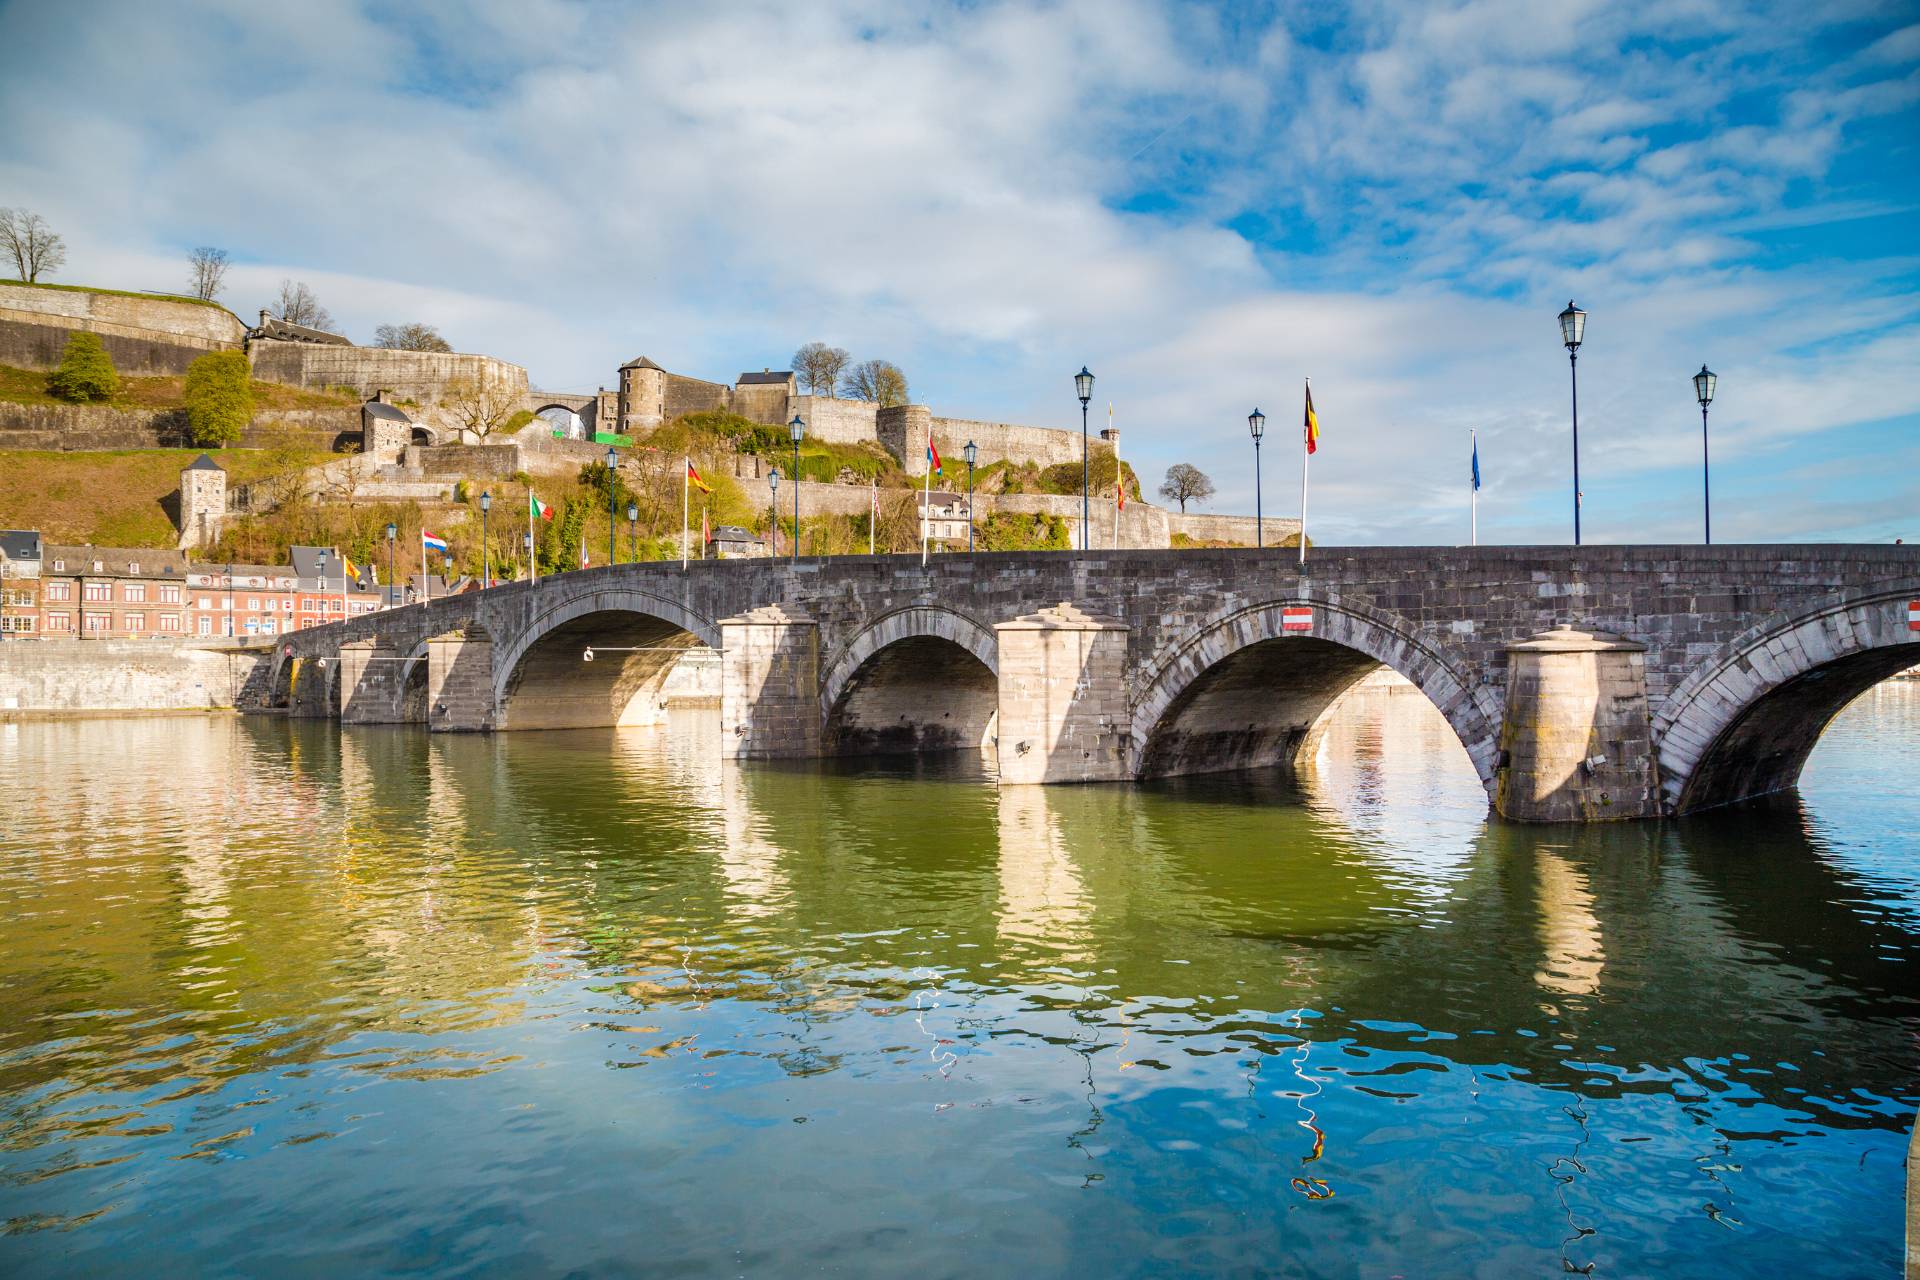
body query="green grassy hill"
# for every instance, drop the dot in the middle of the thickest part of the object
(29, 386)
(116, 499)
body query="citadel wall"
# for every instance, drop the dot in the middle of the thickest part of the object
(420, 376)
(145, 336)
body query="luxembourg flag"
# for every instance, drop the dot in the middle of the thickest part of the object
(428, 542)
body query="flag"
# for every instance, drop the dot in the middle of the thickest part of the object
(694, 477)
(1476, 464)
(933, 457)
(586, 561)
(1312, 425)
(430, 543)
(353, 571)
(535, 507)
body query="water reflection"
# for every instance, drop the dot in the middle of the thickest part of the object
(587, 999)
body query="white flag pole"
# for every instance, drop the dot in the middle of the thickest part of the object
(873, 510)
(426, 588)
(1475, 518)
(686, 505)
(926, 513)
(533, 558)
(1119, 476)
(1303, 476)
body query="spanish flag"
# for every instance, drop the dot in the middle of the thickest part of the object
(1312, 425)
(694, 477)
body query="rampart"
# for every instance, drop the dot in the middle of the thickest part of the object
(418, 376)
(83, 427)
(145, 336)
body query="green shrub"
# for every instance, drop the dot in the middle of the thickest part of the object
(86, 371)
(219, 399)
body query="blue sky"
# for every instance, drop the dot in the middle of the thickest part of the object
(1205, 205)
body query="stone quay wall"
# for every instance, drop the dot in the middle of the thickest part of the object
(144, 336)
(78, 678)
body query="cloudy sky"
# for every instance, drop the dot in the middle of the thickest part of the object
(1204, 205)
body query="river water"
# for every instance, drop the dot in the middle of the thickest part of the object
(279, 999)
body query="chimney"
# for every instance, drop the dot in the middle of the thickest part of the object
(263, 317)
(380, 396)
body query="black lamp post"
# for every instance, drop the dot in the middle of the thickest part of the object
(796, 429)
(486, 548)
(613, 504)
(1705, 383)
(1573, 329)
(633, 533)
(1083, 387)
(392, 533)
(972, 453)
(773, 505)
(1257, 424)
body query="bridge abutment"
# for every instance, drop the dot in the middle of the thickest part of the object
(1064, 711)
(1577, 742)
(770, 685)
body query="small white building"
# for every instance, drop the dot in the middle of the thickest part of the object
(944, 517)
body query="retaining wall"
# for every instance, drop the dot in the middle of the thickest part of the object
(61, 678)
(420, 376)
(80, 427)
(143, 335)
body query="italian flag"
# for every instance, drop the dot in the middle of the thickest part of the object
(535, 507)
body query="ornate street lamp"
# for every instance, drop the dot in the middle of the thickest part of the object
(486, 549)
(1083, 387)
(392, 533)
(633, 532)
(1705, 383)
(972, 452)
(773, 502)
(1573, 329)
(796, 429)
(613, 504)
(1257, 425)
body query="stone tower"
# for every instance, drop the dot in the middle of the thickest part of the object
(203, 502)
(643, 396)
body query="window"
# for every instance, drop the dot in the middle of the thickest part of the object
(253, 627)
(17, 623)
(133, 566)
(169, 594)
(59, 566)
(169, 622)
(59, 622)
(99, 566)
(253, 604)
(97, 591)
(59, 591)
(206, 625)
(135, 622)
(134, 592)
(99, 622)
(268, 627)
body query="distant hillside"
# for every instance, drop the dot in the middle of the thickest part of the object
(116, 499)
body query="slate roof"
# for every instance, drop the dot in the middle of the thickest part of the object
(285, 331)
(20, 544)
(733, 533)
(763, 378)
(381, 409)
(641, 362)
(204, 463)
(115, 562)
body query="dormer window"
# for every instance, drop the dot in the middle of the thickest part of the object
(59, 566)
(99, 567)
(133, 566)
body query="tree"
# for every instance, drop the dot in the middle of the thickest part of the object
(410, 337)
(86, 370)
(819, 366)
(877, 380)
(219, 397)
(480, 408)
(209, 267)
(34, 247)
(1186, 483)
(297, 305)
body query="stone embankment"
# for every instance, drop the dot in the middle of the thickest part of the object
(55, 679)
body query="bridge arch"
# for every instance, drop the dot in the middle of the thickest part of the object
(1190, 715)
(542, 679)
(918, 679)
(1744, 725)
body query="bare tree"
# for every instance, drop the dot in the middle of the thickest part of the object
(34, 247)
(480, 408)
(1186, 483)
(297, 305)
(819, 366)
(877, 380)
(410, 337)
(209, 267)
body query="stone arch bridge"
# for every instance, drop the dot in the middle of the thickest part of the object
(1585, 684)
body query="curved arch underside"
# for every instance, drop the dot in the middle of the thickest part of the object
(1259, 706)
(553, 686)
(917, 695)
(1767, 744)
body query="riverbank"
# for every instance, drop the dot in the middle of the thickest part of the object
(81, 679)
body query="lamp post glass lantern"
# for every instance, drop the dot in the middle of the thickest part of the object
(486, 548)
(1573, 331)
(796, 429)
(1257, 427)
(773, 503)
(973, 453)
(1705, 383)
(633, 533)
(1083, 387)
(526, 541)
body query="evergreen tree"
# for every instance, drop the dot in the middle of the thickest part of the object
(219, 399)
(86, 370)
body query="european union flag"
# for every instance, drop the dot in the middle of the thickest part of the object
(1476, 464)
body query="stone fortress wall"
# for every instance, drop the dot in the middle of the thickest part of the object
(421, 377)
(144, 335)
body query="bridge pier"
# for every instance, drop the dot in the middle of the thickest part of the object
(1065, 715)
(1577, 741)
(460, 695)
(310, 687)
(770, 685)
(369, 684)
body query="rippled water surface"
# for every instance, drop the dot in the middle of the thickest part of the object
(281, 999)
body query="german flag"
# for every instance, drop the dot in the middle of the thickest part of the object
(1312, 425)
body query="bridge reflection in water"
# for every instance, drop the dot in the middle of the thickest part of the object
(584, 984)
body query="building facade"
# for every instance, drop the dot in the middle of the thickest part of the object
(113, 593)
(19, 583)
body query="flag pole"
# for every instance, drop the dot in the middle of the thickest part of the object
(426, 588)
(873, 510)
(686, 505)
(1475, 518)
(1303, 479)
(533, 560)
(926, 514)
(703, 529)
(1119, 476)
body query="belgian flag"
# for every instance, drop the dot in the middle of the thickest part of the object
(1312, 425)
